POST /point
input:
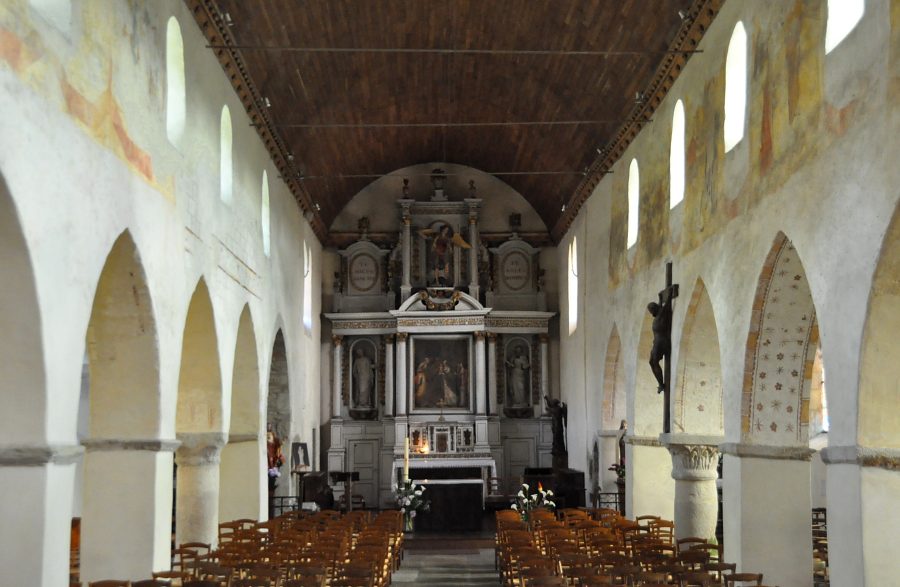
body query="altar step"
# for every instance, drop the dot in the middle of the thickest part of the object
(452, 565)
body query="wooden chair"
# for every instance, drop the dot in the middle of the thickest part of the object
(109, 583)
(718, 570)
(688, 541)
(549, 581)
(310, 581)
(697, 579)
(744, 579)
(151, 583)
(649, 578)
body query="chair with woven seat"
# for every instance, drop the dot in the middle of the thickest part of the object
(109, 583)
(697, 579)
(743, 579)
(548, 581)
(152, 583)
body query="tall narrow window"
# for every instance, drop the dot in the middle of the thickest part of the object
(175, 89)
(307, 288)
(573, 285)
(225, 163)
(266, 218)
(676, 157)
(634, 202)
(735, 87)
(843, 16)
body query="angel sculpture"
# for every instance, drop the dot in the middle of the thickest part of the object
(443, 240)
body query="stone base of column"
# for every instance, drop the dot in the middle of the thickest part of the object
(197, 493)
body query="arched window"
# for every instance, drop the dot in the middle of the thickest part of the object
(634, 202)
(307, 288)
(843, 16)
(265, 215)
(573, 285)
(735, 87)
(175, 87)
(676, 157)
(56, 12)
(225, 163)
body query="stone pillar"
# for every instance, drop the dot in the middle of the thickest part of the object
(389, 375)
(402, 375)
(492, 373)
(197, 491)
(766, 511)
(694, 468)
(36, 483)
(126, 516)
(545, 370)
(480, 375)
(649, 486)
(473, 252)
(863, 500)
(406, 284)
(244, 487)
(336, 378)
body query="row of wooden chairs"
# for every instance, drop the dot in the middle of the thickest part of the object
(358, 549)
(581, 547)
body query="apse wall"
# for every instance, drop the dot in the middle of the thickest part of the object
(816, 163)
(85, 156)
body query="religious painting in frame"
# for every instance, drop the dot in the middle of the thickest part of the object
(441, 377)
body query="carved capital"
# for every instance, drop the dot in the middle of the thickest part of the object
(694, 462)
(388, 339)
(492, 337)
(402, 336)
(479, 334)
(199, 449)
(544, 338)
(337, 339)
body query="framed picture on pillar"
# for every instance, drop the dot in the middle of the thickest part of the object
(440, 375)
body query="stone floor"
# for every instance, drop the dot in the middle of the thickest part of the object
(451, 567)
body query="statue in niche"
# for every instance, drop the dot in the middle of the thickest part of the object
(440, 253)
(517, 382)
(363, 377)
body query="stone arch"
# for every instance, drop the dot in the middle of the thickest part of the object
(198, 424)
(242, 467)
(23, 394)
(613, 383)
(278, 406)
(648, 403)
(123, 404)
(879, 376)
(698, 396)
(781, 349)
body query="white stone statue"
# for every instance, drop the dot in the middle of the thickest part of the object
(363, 377)
(517, 384)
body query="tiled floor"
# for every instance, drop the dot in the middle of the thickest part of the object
(448, 568)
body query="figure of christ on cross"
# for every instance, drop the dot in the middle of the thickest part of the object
(662, 341)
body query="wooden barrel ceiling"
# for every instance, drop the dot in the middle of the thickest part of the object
(544, 94)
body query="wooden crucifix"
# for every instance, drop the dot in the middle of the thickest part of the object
(662, 342)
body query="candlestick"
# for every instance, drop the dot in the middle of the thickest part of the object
(406, 460)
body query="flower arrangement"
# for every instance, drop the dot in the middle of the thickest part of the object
(526, 502)
(411, 500)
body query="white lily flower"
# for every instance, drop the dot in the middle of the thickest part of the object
(418, 493)
(520, 494)
(515, 507)
(549, 492)
(412, 514)
(525, 486)
(534, 497)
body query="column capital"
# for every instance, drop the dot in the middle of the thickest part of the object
(479, 335)
(492, 337)
(389, 338)
(544, 338)
(694, 462)
(402, 336)
(200, 448)
(337, 339)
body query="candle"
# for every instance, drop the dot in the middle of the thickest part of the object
(406, 459)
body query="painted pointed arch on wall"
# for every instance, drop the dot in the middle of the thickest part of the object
(242, 468)
(879, 375)
(122, 349)
(123, 401)
(698, 395)
(23, 393)
(781, 349)
(613, 383)
(199, 408)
